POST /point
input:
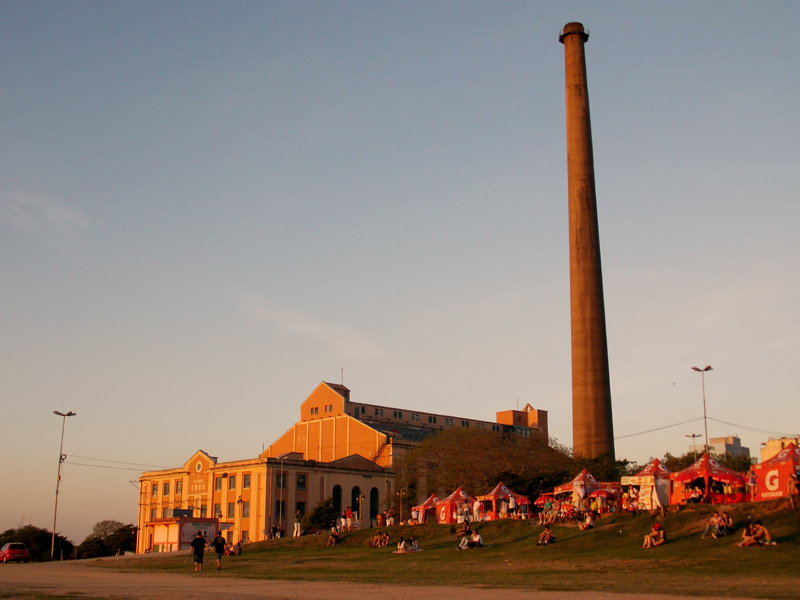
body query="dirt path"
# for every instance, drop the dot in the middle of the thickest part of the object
(82, 578)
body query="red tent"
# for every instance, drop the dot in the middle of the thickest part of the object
(428, 506)
(447, 509)
(585, 478)
(772, 476)
(653, 483)
(709, 471)
(491, 502)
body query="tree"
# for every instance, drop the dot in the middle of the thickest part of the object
(476, 460)
(108, 538)
(38, 541)
(321, 517)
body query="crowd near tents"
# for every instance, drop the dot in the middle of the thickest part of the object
(652, 488)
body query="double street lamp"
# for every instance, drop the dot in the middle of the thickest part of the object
(703, 383)
(694, 444)
(61, 458)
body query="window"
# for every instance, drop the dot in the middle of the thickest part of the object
(301, 482)
(465, 423)
(245, 510)
(232, 482)
(495, 427)
(203, 511)
(280, 509)
(378, 412)
(229, 536)
(336, 494)
(415, 416)
(281, 481)
(218, 484)
(217, 510)
(315, 410)
(245, 536)
(153, 514)
(178, 488)
(155, 490)
(164, 513)
(374, 503)
(398, 414)
(363, 410)
(231, 510)
(431, 419)
(246, 481)
(480, 425)
(301, 506)
(166, 488)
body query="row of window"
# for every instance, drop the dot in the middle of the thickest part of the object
(217, 485)
(328, 409)
(232, 482)
(416, 417)
(280, 481)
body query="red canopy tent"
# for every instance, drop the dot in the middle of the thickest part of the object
(490, 503)
(428, 506)
(709, 471)
(772, 476)
(586, 480)
(653, 483)
(448, 508)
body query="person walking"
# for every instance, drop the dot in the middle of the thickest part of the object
(220, 547)
(198, 549)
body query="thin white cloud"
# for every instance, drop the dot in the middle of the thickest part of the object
(345, 341)
(32, 213)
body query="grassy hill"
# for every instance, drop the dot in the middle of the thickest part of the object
(608, 557)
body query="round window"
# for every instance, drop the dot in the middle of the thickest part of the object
(199, 467)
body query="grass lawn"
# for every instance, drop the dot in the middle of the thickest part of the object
(607, 558)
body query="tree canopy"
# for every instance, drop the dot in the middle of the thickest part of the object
(38, 541)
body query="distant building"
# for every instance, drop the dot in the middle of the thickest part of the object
(774, 445)
(338, 449)
(728, 445)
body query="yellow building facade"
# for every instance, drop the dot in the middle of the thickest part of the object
(338, 449)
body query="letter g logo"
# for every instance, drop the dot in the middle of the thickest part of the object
(772, 480)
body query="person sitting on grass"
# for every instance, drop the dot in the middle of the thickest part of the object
(465, 531)
(546, 537)
(402, 546)
(588, 523)
(333, 538)
(413, 545)
(759, 535)
(714, 526)
(473, 541)
(656, 537)
(726, 528)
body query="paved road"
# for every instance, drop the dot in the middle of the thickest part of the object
(83, 578)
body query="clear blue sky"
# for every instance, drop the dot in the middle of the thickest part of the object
(209, 208)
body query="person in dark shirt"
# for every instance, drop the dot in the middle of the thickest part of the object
(198, 549)
(220, 547)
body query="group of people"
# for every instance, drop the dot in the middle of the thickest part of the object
(382, 540)
(218, 544)
(404, 546)
(719, 525)
(756, 534)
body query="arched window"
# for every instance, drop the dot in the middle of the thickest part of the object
(355, 499)
(374, 503)
(337, 497)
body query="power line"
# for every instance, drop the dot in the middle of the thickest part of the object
(119, 462)
(104, 467)
(782, 434)
(657, 429)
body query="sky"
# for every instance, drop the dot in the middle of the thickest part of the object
(207, 208)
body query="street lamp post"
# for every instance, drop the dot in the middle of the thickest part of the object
(703, 383)
(61, 459)
(401, 493)
(694, 444)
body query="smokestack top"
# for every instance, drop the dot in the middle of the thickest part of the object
(573, 28)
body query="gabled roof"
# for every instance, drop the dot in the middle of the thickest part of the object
(655, 469)
(790, 452)
(431, 502)
(708, 467)
(502, 492)
(588, 480)
(356, 462)
(459, 496)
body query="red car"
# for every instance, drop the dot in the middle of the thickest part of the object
(14, 551)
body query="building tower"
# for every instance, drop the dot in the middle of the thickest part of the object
(592, 426)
